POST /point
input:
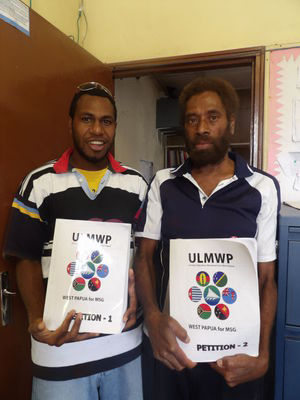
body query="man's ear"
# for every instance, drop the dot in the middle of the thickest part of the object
(232, 124)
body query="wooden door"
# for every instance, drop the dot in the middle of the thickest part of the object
(38, 76)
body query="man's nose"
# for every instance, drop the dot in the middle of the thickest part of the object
(203, 126)
(97, 128)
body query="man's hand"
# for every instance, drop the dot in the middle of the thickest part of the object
(61, 335)
(163, 331)
(241, 368)
(130, 315)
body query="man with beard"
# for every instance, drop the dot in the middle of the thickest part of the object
(85, 183)
(214, 194)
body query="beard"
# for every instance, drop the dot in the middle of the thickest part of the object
(213, 155)
(80, 150)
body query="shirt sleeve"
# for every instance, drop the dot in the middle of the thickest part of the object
(149, 223)
(26, 230)
(267, 222)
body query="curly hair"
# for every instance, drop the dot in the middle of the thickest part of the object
(223, 88)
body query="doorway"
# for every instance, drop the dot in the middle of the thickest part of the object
(140, 84)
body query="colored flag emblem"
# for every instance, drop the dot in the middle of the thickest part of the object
(195, 294)
(202, 278)
(212, 295)
(229, 295)
(102, 270)
(220, 279)
(71, 268)
(204, 311)
(222, 311)
(88, 270)
(96, 257)
(94, 284)
(79, 284)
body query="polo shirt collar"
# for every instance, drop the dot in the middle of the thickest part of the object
(241, 169)
(63, 165)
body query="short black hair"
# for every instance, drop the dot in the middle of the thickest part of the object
(93, 92)
(223, 88)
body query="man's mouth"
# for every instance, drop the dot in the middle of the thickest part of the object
(96, 145)
(202, 143)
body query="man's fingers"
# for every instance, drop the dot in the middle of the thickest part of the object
(75, 328)
(37, 326)
(131, 278)
(174, 354)
(175, 359)
(179, 331)
(62, 335)
(64, 327)
(84, 336)
(131, 290)
(77, 338)
(170, 361)
(215, 366)
(183, 359)
(230, 362)
(130, 314)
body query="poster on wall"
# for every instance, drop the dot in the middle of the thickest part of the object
(284, 122)
(15, 13)
(214, 296)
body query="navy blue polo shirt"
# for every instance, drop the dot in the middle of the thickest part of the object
(245, 205)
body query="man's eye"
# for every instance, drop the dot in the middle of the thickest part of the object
(86, 118)
(213, 117)
(192, 121)
(107, 122)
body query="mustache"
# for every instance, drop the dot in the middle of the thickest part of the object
(202, 138)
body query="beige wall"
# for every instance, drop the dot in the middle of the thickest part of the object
(121, 30)
(60, 13)
(140, 29)
(137, 138)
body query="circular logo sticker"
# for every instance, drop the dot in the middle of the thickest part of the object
(222, 311)
(204, 311)
(211, 295)
(220, 279)
(88, 270)
(229, 295)
(71, 268)
(79, 284)
(94, 284)
(102, 270)
(195, 294)
(202, 278)
(96, 257)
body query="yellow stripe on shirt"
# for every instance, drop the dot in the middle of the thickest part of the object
(27, 212)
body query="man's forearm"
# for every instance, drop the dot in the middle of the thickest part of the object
(31, 287)
(163, 330)
(268, 303)
(145, 276)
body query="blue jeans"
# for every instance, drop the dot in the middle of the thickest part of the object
(123, 383)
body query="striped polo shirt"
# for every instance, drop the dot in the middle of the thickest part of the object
(57, 190)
